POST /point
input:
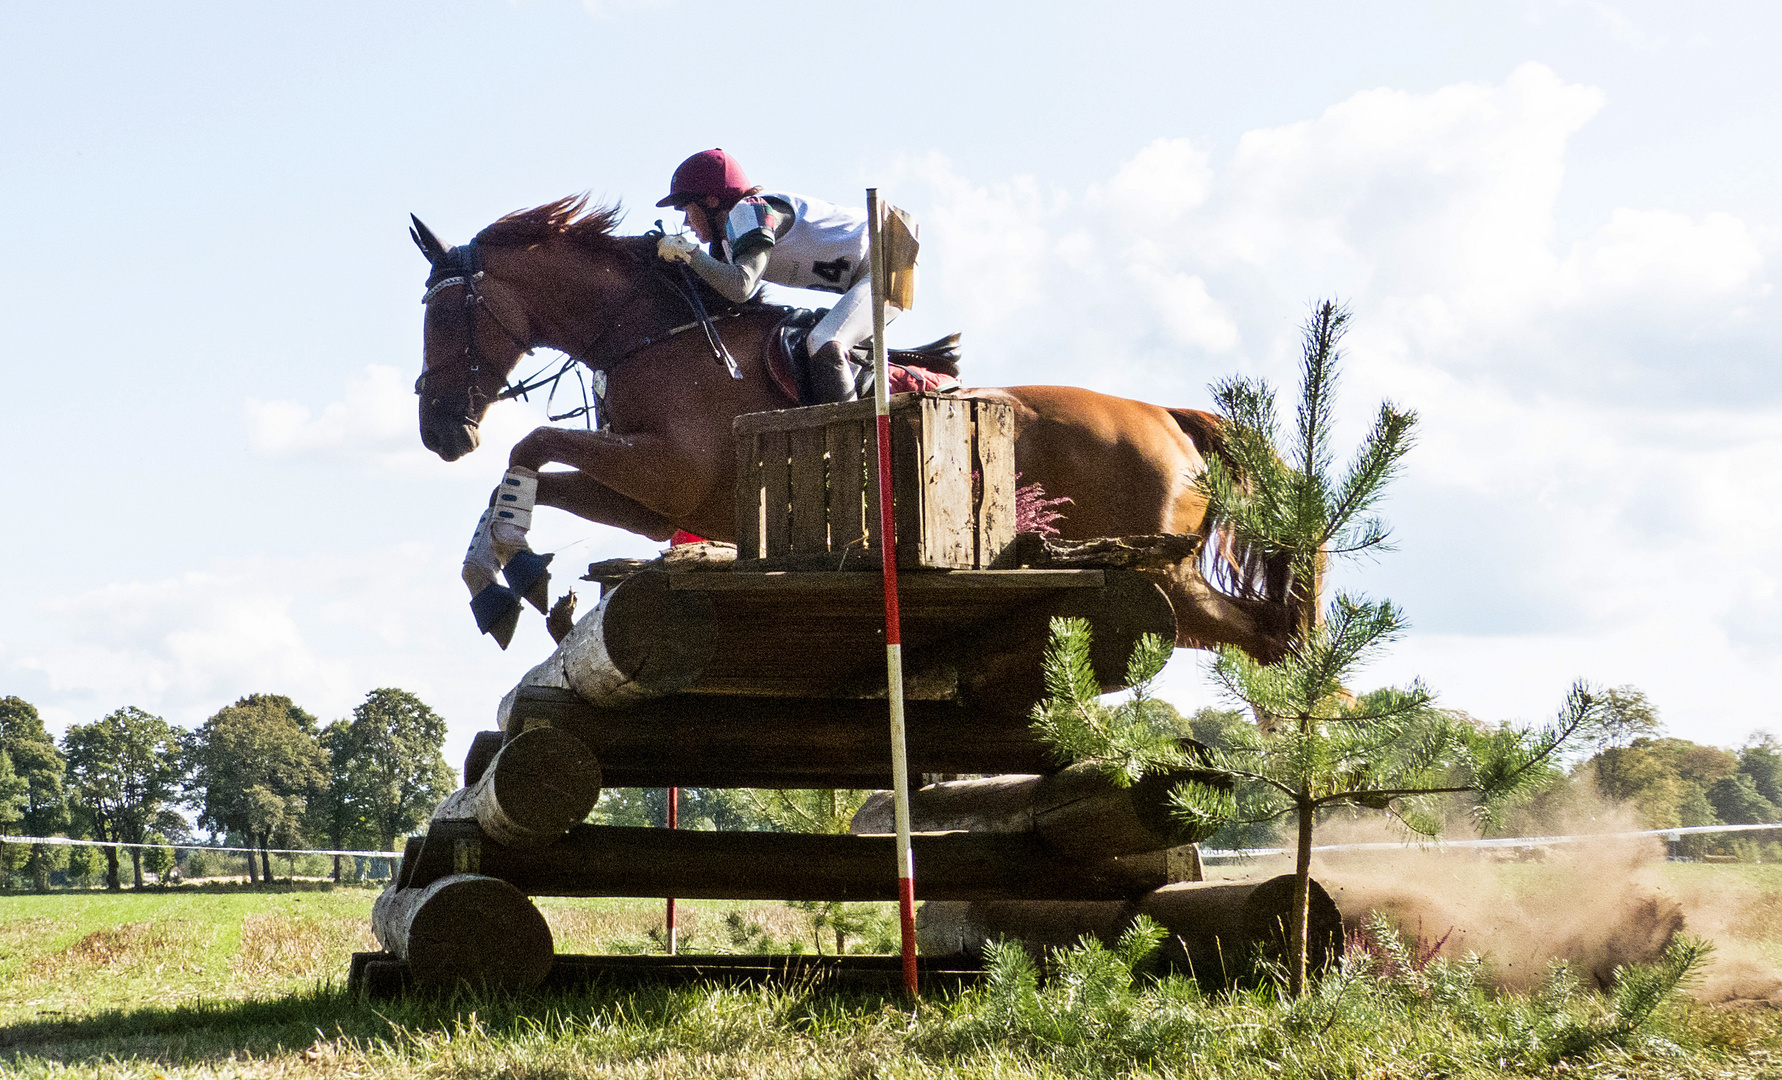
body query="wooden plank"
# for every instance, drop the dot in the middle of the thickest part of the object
(809, 416)
(776, 494)
(870, 447)
(906, 486)
(994, 447)
(846, 443)
(748, 497)
(751, 741)
(810, 512)
(948, 535)
(864, 583)
(595, 860)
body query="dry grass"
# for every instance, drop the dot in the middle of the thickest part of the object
(129, 945)
(281, 946)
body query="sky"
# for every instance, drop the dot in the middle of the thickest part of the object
(1556, 223)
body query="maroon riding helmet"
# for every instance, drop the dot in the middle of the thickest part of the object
(709, 172)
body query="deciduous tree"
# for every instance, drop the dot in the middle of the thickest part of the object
(254, 765)
(125, 772)
(398, 773)
(38, 763)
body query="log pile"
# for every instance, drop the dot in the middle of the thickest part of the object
(698, 669)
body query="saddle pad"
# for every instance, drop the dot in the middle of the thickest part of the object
(784, 357)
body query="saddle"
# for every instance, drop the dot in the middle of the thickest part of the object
(932, 367)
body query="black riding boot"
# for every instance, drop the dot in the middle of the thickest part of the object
(831, 375)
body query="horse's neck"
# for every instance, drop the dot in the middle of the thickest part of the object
(587, 306)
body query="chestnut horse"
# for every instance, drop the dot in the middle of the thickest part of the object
(556, 276)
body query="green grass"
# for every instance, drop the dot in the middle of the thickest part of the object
(239, 983)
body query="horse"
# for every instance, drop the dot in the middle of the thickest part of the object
(559, 276)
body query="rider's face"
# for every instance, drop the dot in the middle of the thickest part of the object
(699, 221)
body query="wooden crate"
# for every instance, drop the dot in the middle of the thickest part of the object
(807, 485)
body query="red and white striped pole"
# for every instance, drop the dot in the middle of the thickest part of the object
(900, 770)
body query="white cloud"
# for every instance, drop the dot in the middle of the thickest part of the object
(377, 413)
(375, 423)
(1648, 254)
(1551, 530)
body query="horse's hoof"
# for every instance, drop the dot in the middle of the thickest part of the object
(528, 577)
(497, 612)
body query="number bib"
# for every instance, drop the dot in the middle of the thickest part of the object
(825, 249)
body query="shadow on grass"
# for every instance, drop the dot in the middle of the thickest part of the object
(202, 1031)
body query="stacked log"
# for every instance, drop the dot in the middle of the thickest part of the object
(1217, 929)
(465, 928)
(1080, 811)
(974, 637)
(601, 860)
(538, 784)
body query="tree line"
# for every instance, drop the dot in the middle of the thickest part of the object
(262, 773)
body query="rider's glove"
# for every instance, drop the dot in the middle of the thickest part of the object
(677, 248)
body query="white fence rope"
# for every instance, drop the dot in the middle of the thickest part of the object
(1500, 842)
(69, 842)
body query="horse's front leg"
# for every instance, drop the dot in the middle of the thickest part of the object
(670, 483)
(586, 497)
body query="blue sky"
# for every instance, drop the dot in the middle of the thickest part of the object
(1556, 222)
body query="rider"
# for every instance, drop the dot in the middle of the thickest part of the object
(758, 235)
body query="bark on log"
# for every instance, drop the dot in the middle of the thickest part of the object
(593, 860)
(484, 745)
(465, 928)
(1219, 926)
(540, 783)
(1080, 812)
(973, 636)
(1216, 928)
(708, 740)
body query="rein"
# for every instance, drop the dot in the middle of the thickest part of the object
(463, 267)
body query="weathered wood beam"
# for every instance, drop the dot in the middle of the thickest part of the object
(697, 740)
(973, 636)
(593, 860)
(1078, 811)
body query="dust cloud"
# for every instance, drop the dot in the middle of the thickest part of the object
(1598, 904)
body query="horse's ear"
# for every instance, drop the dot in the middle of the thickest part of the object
(426, 241)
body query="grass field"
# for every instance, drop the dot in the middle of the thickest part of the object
(232, 982)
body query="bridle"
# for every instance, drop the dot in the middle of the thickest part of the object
(461, 266)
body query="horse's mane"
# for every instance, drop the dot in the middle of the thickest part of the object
(568, 218)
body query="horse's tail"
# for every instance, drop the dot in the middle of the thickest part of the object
(1230, 564)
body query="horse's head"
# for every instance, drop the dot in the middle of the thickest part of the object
(475, 331)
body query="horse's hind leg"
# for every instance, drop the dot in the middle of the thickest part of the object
(1207, 618)
(586, 497)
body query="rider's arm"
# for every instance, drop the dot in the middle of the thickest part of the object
(735, 281)
(751, 229)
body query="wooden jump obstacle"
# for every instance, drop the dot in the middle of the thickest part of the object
(765, 668)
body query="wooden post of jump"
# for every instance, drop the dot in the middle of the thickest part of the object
(900, 770)
(674, 820)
